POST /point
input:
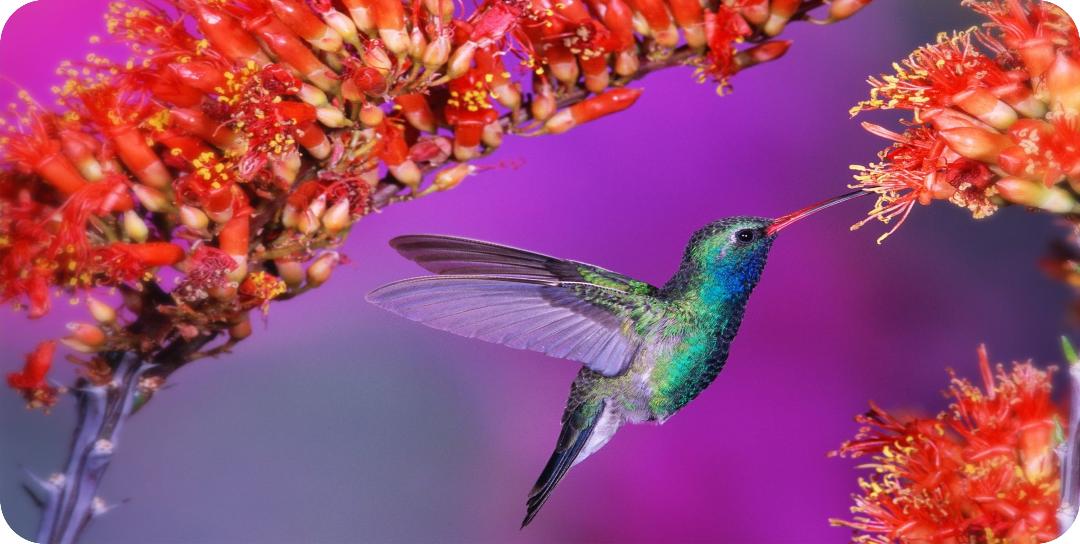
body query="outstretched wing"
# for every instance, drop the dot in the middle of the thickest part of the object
(583, 322)
(449, 255)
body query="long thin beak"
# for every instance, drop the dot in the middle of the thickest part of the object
(782, 222)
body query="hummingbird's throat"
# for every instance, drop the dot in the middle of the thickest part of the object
(783, 222)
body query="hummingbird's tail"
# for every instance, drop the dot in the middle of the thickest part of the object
(578, 427)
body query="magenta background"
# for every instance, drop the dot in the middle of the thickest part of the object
(342, 423)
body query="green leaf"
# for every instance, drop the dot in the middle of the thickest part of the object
(1069, 350)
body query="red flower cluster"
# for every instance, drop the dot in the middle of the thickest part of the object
(994, 117)
(243, 138)
(982, 471)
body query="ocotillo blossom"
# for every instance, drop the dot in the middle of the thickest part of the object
(993, 117)
(984, 470)
(243, 138)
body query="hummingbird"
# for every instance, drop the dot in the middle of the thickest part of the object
(646, 351)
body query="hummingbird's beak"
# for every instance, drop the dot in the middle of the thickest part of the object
(782, 222)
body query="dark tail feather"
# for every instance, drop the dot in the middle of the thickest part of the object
(575, 434)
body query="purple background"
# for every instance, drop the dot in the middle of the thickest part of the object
(344, 423)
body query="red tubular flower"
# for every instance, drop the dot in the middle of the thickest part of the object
(30, 382)
(117, 113)
(224, 32)
(982, 471)
(35, 150)
(594, 108)
(122, 262)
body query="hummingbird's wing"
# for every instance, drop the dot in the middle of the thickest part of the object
(461, 256)
(583, 322)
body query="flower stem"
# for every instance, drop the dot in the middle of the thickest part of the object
(72, 499)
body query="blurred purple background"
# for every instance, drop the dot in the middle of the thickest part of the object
(342, 423)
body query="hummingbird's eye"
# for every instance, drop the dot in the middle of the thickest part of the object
(746, 236)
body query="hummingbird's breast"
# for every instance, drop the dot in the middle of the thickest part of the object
(689, 360)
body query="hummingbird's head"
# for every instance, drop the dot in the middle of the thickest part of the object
(726, 258)
(729, 254)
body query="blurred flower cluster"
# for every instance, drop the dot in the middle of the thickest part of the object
(985, 470)
(218, 168)
(994, 117)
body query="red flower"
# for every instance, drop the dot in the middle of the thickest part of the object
(982, 471)
(259, 288)
(30, 382)
(725, 28)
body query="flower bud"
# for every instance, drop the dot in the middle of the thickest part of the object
(312, 95)
(342, 25)
(449, 178)
(332, 117)
(947, 118)
(1063, 82)
(291, 272)
(1020, 97)
(780, 12)
(76, 345)
(976, 143)
(986, 107)
(417, 111)
(565, 69)
(225, 292)
(396, 40)
(1037, 54)
(194, 218)
(543, 103)
(79, 148)
(627, 62)
(463, 152)
(1036, 194)
(443, 9)
(362, 14)
(338, 217)
(375, 56)
(1014, 161)
(1036, 445)
(417, 43)
(766, 52)
(290, 216)
(288, 167)
(152, 199)
(437, 52)
(842, 9)
(755, 12)
(461, 60)
(492, 135)
(371, 115)
(309, 221)
(240, 330)
(407, 173)
(100, 311)
(319, 271)
(86, 334)
(134, 227)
